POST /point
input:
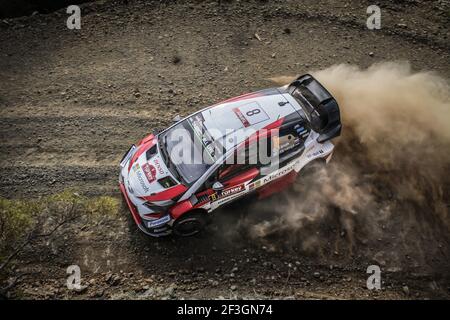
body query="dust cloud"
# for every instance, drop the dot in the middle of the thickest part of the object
(386, 188)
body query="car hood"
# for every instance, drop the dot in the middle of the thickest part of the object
(144, 175)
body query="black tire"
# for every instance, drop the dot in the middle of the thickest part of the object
(190, 224)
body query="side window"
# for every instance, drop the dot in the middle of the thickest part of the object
(287, 143)
(209, 181)
(228, 171)
(241, 161)
(225, 172)
(291, 139)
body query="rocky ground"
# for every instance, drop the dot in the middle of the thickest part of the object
(73, 101)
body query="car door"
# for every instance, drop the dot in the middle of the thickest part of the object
(289, 146)
(234, 179)
(229, 182)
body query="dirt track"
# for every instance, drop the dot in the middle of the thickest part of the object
(73, 101)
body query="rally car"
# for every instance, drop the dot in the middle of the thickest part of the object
(174, 179)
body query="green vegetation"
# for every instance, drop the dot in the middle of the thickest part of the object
(103, 206)
(16, 217)
(20, 218)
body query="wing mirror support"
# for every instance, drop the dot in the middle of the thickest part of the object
(217, 186)
(176, 119)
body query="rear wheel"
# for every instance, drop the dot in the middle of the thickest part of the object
(189, 224)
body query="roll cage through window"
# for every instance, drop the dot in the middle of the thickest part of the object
(288, 143)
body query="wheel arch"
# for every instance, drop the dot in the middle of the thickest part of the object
(183, 208)
(196, 216)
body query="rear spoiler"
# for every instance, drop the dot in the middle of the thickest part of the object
(319, 105)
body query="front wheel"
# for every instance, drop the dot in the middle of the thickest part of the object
(189, 224)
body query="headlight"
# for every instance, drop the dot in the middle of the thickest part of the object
(130, 189)
(159, 206)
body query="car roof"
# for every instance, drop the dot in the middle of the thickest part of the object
(222, 119)
(232, 121)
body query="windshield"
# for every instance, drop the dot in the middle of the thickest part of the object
(190, 149)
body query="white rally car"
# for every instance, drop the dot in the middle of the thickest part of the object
(294, 123)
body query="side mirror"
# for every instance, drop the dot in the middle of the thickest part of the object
(217, 186)
(176, 118)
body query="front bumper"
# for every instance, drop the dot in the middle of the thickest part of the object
(150, 226)
(158, 231)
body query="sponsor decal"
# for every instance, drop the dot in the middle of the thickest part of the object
(226, 192)
(158, 222)
(196, 123)
(305, 135)
(284, 143)
(136, 169)
(276, 142)
(228, 199)
(229, 191)
(150, 172)
(213, 197)
(271, 177)
(255, 185)
(290, 146)
(241, 117)
(314, 154)
(301, 131)
(278, 173)
(158, 166)
(251, 113)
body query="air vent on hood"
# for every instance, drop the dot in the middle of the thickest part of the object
(151, 152)
(167, 182)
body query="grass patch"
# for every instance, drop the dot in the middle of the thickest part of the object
(16, 217)
(19, 218)
(103, 206)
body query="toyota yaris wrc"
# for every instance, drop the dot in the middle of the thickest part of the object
(251, 145)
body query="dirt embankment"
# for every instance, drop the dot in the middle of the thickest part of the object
(73, 101)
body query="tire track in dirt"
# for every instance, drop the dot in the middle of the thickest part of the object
(71, 103)
(41, 154)
(32, 181)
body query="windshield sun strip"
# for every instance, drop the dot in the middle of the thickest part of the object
(201, 140)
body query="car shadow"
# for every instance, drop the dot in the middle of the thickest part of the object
(219, 245)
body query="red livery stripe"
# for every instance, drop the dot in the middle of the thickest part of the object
(132, 208)
(141, 149)
(167, 194)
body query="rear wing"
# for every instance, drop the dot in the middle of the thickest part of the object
(319, 106)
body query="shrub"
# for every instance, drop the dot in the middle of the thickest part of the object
(16, 218)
